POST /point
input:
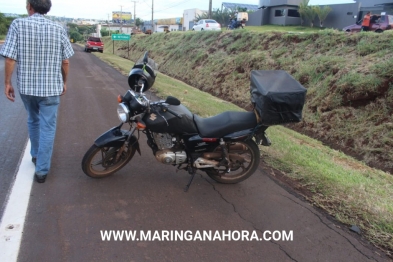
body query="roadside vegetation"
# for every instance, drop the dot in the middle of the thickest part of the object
(349, 105)
(5, 23)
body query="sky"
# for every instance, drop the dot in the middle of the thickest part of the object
(100, 9)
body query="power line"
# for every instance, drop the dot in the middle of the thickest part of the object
(168, 7)
(144, 1)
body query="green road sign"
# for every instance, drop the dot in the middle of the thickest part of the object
(121, 37)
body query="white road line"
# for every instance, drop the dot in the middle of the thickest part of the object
(12, 223)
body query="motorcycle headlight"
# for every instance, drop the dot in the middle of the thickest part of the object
(123, 113)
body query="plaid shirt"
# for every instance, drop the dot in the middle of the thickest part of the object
(39, 46)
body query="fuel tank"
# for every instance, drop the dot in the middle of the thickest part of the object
(165, 122)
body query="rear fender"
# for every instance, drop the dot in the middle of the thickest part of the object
(243, 135)
(239, 136)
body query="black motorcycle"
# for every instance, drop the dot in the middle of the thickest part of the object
(224, 146)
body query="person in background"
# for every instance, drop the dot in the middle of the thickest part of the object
(41, 49)
(366, 22)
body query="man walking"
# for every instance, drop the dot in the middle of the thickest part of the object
(41, 49)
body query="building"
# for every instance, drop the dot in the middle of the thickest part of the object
(189, 17)
(284, 12)
(169, 24)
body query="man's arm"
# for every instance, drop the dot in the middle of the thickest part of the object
(9, 69)
(64, 71)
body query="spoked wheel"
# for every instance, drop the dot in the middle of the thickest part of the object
(102, 162)
(244, 158)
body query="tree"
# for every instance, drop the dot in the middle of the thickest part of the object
(5, 23)
(322, 13)
(76, 36)
(104, 32)
(221, 16)
(303, 10)
(310, 14)
(138, 22)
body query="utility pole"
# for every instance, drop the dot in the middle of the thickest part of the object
(121, 19)
(210, 9)
(152, 21)
(134, 12)
(107, 25)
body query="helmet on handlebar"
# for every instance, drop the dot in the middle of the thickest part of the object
(141, 75)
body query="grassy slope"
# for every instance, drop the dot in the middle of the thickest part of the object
(349, 77)
(346, 188)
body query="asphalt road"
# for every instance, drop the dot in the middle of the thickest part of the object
(13, 137)
(67, 213)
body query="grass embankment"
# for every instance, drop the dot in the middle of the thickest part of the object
(277, 28)
(349, 77)
(349, 190)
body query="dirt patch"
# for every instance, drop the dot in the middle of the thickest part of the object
(334, 143)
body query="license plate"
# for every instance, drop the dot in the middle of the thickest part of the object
(95, 48)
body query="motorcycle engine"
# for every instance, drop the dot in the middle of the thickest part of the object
(166, 153)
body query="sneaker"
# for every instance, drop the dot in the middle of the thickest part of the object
(40, 178)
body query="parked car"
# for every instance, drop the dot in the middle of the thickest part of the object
(378, 24)
(94, 44)
(206, 24)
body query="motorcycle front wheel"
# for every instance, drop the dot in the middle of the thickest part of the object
(243, 163)
(100, 162)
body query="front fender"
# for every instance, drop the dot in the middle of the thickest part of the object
(116, 137)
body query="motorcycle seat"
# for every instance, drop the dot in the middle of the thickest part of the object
(225, 123)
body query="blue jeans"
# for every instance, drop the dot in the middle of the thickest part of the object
(41, 122)
(233, 24)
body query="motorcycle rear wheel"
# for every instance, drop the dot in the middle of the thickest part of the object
(101, 162)
(240, 171)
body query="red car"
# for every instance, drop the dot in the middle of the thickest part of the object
(378, 24)
(94, 44)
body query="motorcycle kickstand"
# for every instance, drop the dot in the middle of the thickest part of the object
(192, 172)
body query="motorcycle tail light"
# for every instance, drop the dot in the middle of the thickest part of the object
(119, 99)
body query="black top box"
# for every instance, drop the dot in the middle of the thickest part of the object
(277, 97)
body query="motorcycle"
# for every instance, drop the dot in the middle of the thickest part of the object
(238, 20)
(234, 24)
(224, 146)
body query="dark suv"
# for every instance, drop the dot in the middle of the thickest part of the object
(94, 44)
(377, 24)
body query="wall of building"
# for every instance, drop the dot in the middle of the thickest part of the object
(258, 18)
(189, 16)
(171, 28)
(275, 19)
(281, 15)
(279, 2)
(255, 18)
(124, 29)
(372, 3)
(341, 16)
